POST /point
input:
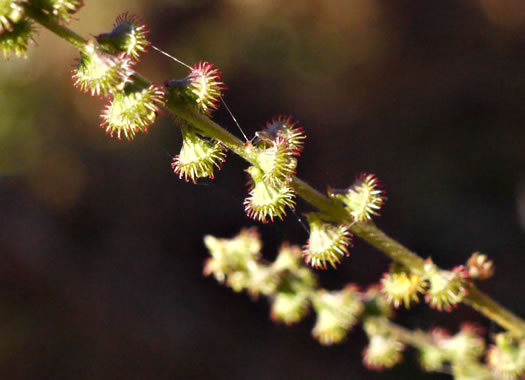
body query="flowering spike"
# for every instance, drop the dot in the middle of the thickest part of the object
(198, 156)
(17, 40)
(337, 312)
(382, 352)
(11, 12)
(480, 267)
(447, 288)
(266, 200)
(363, 199)
(506, 358)
(284, 127)
(101, 73)
(128, 35)
(132, 111)
(402, 287)
(327, 243)
(277, 161)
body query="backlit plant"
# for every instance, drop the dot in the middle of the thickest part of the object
(106, 68)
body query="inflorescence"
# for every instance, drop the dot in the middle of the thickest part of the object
(106, 68)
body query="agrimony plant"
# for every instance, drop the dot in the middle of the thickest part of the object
(106, 68)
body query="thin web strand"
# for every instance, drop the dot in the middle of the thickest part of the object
(172, 57)
(233, 117)
(222, 99)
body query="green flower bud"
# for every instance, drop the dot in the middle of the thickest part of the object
(327, 243)
(17, 40)
(132, 110)
(198, 156)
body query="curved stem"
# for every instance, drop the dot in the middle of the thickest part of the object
(61, 31)
(368, 232)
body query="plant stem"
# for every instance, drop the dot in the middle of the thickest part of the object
(61, 31)
(369, 232)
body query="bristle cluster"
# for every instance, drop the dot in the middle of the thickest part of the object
(198, 156)
(101, 73)
(129, 36)
(447, 288)
(132, 111)
(327, 243)
(363, 199)
(267, 201)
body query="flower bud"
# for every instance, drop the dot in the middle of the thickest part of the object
(62, 10)
(337, 312)
(231, 255)
(11, 12)
(266, 200)
(202, 87)
(101, 73)
(363, 199)
(376, 303)
(327, 243)
(17, 40)
(447, 288)
(480, 267)
(382, 352)
(432, 358)
(466, 345)
(400, 286)
(470, 371)
(289, 307)
(128, 36)
(277, 161)
(132, 110)
(283, 126)
(263, 280)
(507, 357)
(198, 156)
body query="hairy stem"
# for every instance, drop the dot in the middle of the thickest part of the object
(369, 232)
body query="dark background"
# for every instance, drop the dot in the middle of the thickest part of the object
(101, 248)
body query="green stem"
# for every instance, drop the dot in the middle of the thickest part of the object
(369, 232)
(494, 311)
(50, 23)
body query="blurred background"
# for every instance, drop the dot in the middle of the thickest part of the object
(101, 247)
